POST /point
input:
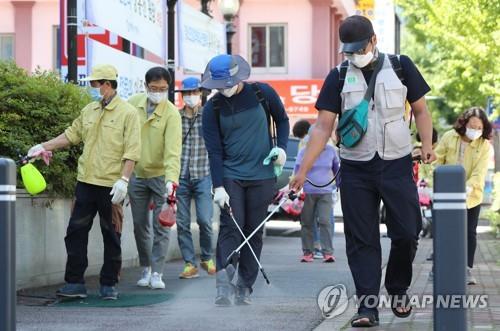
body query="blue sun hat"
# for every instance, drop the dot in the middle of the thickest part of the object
(225, 71)
(190, 84)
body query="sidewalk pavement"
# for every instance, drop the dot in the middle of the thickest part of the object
(289, 303)
(486, 270)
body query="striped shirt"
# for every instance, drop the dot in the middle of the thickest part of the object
(194, 159)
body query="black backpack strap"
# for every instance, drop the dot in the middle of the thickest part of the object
(216, 107)
(216, 100)
(265, 104)
(342, 73)
(262, 101)
(396, 66)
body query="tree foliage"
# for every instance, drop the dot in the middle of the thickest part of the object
(33, 109)
(455, 45)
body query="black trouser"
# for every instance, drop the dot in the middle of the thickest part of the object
(249, 200)
(363, 185)
(472, 219)
(91, 199)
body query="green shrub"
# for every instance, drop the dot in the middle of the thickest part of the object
(35, 108)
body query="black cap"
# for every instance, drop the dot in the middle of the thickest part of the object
(355, 33)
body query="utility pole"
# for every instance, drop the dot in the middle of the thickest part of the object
(72, 41)
(171, 47)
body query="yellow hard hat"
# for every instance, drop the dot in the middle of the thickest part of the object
(32, 179)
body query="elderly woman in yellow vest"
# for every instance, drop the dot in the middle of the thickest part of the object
(467, 144)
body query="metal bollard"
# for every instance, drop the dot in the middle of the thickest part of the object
(450, 246)
(7, 245)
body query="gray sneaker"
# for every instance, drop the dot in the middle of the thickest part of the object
(471, 280)
(72, 290)
(243, 296)
(108, 292)
(225, 289)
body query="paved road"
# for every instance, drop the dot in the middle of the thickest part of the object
(289, 303)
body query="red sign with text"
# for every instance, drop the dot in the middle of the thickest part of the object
(298, 96)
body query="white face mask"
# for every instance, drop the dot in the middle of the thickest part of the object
(473, 134)
(229, 92)
(157, 97)
(191, 100)
(360, 61)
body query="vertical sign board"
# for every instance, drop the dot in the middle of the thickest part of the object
(200, 38)
(85, 30)
(384, 25)
(382, 14)
(131, 69)
(141, 22)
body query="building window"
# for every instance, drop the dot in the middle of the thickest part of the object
(56, 48)
(6, 47)
(268, 47)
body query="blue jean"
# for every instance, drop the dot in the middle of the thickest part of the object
(200, 191)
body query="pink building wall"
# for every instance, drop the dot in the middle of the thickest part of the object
(45, 17)
(298, 19)
(311, 38)
(312, 26)
(32, 23)
(6, 17)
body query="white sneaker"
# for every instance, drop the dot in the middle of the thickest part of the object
(471, 280)
(145, 277)
(156, 282)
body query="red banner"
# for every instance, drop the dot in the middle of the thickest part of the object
(298, 96)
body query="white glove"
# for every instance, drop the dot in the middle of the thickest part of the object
(468, 190)
(221, 197)
(170, 187)
(277, 155)
(119, 191)
(281, 159)
(36, 149)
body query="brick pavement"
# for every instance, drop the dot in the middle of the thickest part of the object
(486, 271)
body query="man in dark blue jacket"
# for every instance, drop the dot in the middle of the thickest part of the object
(236, 129)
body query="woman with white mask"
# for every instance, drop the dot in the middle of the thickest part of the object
(467, 145)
